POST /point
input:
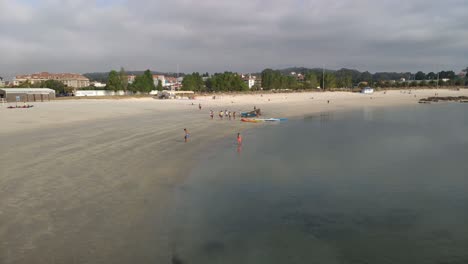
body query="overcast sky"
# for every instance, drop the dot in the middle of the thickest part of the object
(237, 35)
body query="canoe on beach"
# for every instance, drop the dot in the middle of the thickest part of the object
(258, 120)
(251, 120)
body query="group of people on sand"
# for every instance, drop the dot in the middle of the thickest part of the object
(20, 106)
(224, 114)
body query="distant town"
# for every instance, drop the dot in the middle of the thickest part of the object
(298, 78)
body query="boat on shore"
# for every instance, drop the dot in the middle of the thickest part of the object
(259, 120)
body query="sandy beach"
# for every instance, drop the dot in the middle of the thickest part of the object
(90, 181)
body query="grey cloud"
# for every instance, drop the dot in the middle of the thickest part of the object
(243, 35)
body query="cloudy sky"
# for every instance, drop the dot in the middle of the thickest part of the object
(238, 35)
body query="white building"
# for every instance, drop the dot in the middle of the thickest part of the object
(91, 93)
(131, 79)
(69, 79)
(157, 78)
(98, 84)
(249, 80)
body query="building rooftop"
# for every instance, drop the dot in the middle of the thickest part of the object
(47, 75)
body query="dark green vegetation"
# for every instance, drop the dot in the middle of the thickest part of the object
(117, 81)
(103, 76)
(143, 83)
(303, 78)
(226, 81)
(193, 82)
(58, 86)
(218, 82)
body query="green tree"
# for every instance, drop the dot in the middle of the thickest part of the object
(26, 84)
(365, 77)
(275, 80)
(329, 79)
(123, 79)
(431, 76)
(58, 86)
(256, 87)
(270, 79)
(193, 82)
(344, 80)
(225, 82)
(160, 86)
(113, 81)
(420, 76)
(144, 83)
(310, 80)
(447, 75)
(441, 82)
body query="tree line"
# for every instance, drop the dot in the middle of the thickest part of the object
(346, 78)
(57, 86)
(271, 79)
(218, 82)
(104, 76)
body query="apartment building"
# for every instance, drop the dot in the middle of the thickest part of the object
(69, 79)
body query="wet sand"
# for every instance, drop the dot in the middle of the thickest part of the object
(90, 181)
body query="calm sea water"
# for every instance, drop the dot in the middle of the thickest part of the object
(370, 186)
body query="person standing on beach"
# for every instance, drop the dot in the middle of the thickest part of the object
(211, 114)
(225, 113)
(221, 114)
(234, 115)
(229, 114)
(199, 106)
(187, 135)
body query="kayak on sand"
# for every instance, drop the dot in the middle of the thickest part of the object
(258, 120)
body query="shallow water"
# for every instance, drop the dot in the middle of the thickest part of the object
(370, 186)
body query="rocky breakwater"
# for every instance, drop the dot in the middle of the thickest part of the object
(436, 99)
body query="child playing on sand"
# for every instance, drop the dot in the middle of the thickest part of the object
(187, 135)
